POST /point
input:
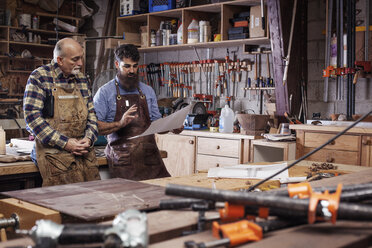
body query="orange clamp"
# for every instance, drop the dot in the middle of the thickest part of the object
(239, 232)
(333, 201)
(263, 212)
(232, 212)
(329, 71)
(300, 190)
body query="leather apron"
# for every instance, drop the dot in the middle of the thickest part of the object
(135, 159)
(70, 118)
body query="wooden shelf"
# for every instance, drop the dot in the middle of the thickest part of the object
(20, 71)
(218, 14)
(30, 44)
(225, 43)
(47, 31)
(27, 59)
(59, 16)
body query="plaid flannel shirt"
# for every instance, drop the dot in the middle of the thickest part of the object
(41, 81)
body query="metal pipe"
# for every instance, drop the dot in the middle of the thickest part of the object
(345, 211)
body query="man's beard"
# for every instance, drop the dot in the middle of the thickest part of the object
(75, 71)
(129, 82)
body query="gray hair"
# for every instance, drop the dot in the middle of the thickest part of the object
(58, 50)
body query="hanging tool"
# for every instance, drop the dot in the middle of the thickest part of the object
(262, 15)
(269, 80)
(287, 58)
(328, 45)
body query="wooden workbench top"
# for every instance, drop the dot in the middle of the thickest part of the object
(30, 167)
(201, 180)
(206, 133)
(306, 127)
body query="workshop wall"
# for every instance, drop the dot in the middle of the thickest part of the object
(316, 64)
(250, 103)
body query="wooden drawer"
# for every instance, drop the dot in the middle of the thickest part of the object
(219, 147)
(345, 142)
(204, 162)
(332, 156)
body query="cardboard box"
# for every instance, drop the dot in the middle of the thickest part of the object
(255, 22)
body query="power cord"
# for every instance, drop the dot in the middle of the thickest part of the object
(310, 153)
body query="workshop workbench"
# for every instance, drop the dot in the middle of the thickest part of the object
(24, 175)
(165, 227)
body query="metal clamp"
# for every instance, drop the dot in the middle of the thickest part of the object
(329, 202)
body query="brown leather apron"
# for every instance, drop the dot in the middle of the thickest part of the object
(135, 159)
(70, 118)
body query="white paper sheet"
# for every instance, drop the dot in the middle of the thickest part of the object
(167, 123)
(245, 171)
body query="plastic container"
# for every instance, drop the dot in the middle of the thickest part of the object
(201, 30)
(193, 32)
(179, 34)
(2, 142)
(226, 123)
(160, 5)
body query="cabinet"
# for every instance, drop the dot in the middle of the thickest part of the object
(14, 41)
(218, 14)
(180, 150)
(366, 156)
(271, 151)
(193, 151)
(352, 148)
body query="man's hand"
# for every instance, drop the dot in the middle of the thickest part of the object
(128, 116)
(178, 130)
(77, 147)
(85, 141)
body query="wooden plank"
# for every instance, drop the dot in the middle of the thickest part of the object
(94, 200)
(28, 213)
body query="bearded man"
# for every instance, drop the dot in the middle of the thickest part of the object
(126, 107)
(58, 110)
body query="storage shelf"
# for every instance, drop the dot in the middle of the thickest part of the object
(20, 71)
(225, 43)
(30, 44)
(217, 13)
(24, 59)
(59, 17)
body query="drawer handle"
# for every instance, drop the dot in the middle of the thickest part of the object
(333, 142)
(366, 142)
(191, 142)
(217, 165)
(330, 160)
(218, 147)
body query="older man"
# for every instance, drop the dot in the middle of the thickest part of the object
(59, 112)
